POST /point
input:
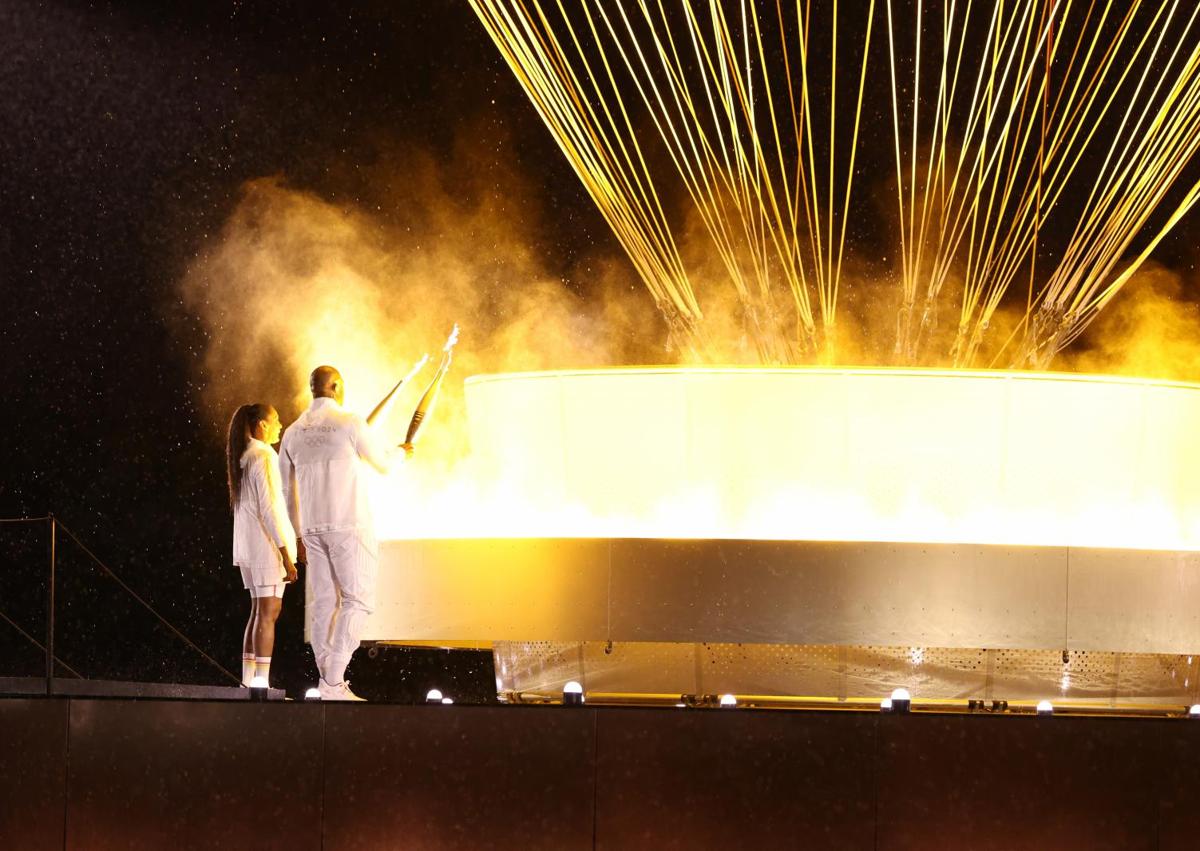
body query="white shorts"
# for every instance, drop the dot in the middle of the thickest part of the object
(263, 582)
(257, 591)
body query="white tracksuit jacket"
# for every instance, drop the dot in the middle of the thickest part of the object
(260, 521)
(324, 484)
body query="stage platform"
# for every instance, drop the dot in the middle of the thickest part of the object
(96, 774)
(63, 687)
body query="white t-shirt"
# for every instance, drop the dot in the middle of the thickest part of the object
(324, 483)
(260, 521)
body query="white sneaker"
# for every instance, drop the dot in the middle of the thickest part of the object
(340, 691)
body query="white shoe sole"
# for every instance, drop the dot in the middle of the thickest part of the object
(340, 696)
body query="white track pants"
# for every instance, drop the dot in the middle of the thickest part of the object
(343, 568)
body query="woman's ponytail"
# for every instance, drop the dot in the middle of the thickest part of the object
(241, 429)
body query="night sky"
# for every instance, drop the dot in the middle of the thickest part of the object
(126, 133)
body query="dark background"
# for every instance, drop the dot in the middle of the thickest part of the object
(126, 130)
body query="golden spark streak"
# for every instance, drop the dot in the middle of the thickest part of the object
(1004, 160)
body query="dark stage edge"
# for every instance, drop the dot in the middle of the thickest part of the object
(97, 774)
(36, 686)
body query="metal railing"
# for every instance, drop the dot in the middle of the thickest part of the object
(54, 525)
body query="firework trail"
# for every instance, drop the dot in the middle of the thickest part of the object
(1014, 120)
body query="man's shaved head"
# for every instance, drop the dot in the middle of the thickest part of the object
(326, 381)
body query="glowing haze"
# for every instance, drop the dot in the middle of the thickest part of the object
(852, 454)
(294, 280)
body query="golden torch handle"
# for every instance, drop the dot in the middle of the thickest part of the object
(425, 406)
(386, 401)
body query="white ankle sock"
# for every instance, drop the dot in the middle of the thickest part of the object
(262, 667)
(247, 668)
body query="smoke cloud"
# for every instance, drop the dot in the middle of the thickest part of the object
(1150, 330)
(294, 280)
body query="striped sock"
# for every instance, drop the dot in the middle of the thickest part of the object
(262, 667)
(247, 668)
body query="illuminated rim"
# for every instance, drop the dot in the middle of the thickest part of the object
(861, 454)
(990, 374)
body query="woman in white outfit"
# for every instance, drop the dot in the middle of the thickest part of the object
(264, 545)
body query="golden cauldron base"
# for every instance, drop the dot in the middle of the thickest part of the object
(701, 530)
(825, 676)
(841, 620)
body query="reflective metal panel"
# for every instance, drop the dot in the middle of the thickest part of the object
(789, 592)
(1132, 600)
(962, 620)
(470, 590)
(830, 671)
(838, 593)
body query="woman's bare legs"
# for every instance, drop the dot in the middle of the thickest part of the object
(265, 616)
(248, 645)
(266, 613)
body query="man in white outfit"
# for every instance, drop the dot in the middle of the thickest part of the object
(325, 486)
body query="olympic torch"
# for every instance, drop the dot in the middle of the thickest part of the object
(386, 402)
(425, 406)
